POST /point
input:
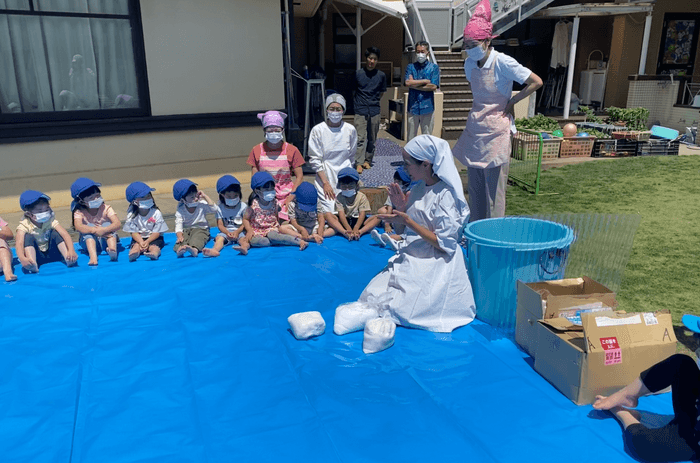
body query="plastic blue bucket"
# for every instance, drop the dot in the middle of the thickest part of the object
(501, 251)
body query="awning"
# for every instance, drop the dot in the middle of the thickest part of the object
(594, 9)
(394, 8)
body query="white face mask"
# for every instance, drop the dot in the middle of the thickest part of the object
(95, 203)
(476, 53)
(274, 137)
(43, 217)
(347, 193)
(194, 204)
(421, 57)
(146, 204)
(269, 195)
(335, 116)
(232, 202)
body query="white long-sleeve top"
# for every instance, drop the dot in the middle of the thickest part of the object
(330, 150)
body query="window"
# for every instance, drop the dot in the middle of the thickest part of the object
(67, 60)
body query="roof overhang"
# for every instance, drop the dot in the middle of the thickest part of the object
(394, 8)
(595, 9)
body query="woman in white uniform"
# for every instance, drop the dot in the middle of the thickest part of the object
(484, 146)
(425, 284)
(332, 147)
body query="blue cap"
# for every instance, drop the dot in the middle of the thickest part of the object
(180, 188)
(401, 172)
(259, 179)
(81, 185)
(226, 181)
(349, 172)
(307, 197)
(692, 322)
(29, 197)
(137, 190)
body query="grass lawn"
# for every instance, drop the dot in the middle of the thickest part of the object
(664, 268)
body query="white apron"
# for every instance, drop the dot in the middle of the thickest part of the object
(337, 153)
(422, 286)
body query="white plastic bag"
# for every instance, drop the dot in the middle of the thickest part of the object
(379, 335)
(306, 324)
(352, 317)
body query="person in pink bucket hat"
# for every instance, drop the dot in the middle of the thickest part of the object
(484, 146)
(280, 159)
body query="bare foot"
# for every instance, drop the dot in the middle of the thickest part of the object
(92, 262)
(242, 249)
(151, 255)
(31, 268)
(209, 252)
(181, 251)
(194, 252)
(619, 399)
(303, 245)
(318, 239)
(133, 256)
(112, 254)
(10, 277)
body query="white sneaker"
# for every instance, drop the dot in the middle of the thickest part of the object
(391, 242)
(377, 238)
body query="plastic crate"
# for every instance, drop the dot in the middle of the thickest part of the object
(632, 135)
(527, 147)
(576, 146)
(608, 147)
(658, 147)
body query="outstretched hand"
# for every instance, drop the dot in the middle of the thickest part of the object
(399, 199)
(397, 217)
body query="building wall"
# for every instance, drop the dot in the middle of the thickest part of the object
(200, 58)
(659, 98)
(594, 34)
(628, 33)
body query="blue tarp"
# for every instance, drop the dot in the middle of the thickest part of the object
(191, 360)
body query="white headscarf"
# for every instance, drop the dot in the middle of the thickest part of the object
(438, 152)
(336, 98)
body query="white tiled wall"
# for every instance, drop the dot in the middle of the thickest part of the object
(659, 97)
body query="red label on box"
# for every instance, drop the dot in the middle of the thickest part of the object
(613, 353)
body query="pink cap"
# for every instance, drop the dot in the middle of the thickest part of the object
(479, 26)
(272, 118)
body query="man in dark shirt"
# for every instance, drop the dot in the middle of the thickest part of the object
(370, 83)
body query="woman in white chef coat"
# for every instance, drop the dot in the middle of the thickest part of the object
(425, 284)
(332, 147)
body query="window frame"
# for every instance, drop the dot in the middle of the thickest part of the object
(69, 117)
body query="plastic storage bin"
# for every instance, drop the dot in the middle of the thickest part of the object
(501, 251)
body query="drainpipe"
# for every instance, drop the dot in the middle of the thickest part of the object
(570, 75)
(358, 36)
(645, 45)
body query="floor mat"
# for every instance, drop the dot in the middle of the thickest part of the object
(387, 158)
(191, 360)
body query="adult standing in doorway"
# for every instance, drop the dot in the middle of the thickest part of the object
(370, 83)
(484, 146)
(332, 146)
(422, 79)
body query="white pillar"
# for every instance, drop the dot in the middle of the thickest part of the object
(645, 45)
(572, 62)
(358, 36)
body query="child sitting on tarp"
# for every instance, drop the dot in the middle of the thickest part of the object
(261, 218)
(352, 207)
(40, 238)
(306, 214)
(389, 238)
(191, 224)
(5, 253)
(229, 215)
(145, 222)
(96, 221)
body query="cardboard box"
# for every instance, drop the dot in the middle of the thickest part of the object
(603, 355)
(550, 299)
